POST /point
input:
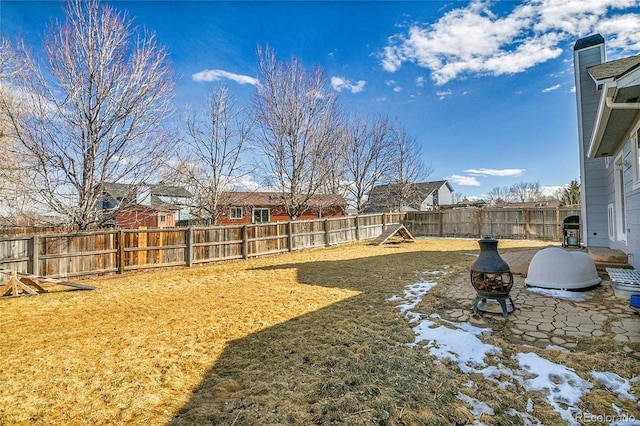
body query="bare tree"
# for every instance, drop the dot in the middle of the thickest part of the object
(407, 169)
(526, 191)
(298, 128)
(368, 151)
(216, 137)
(499, 195)
(457, 197)
(14, 165)
(96, 109)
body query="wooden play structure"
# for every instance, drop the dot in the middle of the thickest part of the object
(21, 284)
(391, 231)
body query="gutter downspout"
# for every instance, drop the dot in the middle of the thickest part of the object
(621, 105)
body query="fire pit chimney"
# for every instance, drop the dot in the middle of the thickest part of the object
(492, 278)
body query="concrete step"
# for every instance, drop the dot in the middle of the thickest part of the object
(609, 258)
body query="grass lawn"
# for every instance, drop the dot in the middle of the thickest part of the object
(300, 338)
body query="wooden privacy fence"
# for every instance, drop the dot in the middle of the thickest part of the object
(117, 251)
(516, 223)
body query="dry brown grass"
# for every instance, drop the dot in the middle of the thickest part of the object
(300, 338)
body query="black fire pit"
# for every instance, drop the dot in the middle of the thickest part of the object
(492, 279)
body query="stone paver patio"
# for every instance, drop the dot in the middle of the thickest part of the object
(541, 320)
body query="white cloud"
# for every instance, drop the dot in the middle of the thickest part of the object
(215, 75)
(550, 191)
(340, 83)
(443, 94)
(394, 85)
(463, 180)
(551, 89)
(473, 40)
(420, 81)
(495, 172)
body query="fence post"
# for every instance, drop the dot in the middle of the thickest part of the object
(35, 256)
(384, 221)
(357, 227)
(527, 224)
(188, 251)
(479, 218)
(120, 257)
(326, 233)
(245, 242)
(440, 225)
(289, 236)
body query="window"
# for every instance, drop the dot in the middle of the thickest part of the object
(235, 213)
(260, 215)
(620, 198)
(163, 218)
(635, 153)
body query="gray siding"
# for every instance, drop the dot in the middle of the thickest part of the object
(592, 171)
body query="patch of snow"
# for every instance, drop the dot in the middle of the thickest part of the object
(529, 405)
(478, 408)
(413, 295)
(433, 273)
(575, 296)
(615, 384)
(562, 386)
(527, 419)
(461, 346)
(459, 343)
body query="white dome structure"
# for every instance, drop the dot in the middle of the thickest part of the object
(559, 269)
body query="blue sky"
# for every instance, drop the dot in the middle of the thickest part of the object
(486, 87)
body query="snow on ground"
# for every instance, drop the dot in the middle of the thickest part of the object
(575, 296)
(615, 384)
(459, 342)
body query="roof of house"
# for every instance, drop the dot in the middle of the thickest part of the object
(164, 190)
(275, 199)
(423, 188)
(126, 190)
(614, 69)
(419, 192)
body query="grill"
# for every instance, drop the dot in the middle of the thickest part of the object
(571, 231)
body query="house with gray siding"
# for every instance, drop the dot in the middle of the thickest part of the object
(608, 103)
(421, 196)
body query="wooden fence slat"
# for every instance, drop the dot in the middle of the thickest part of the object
(105, 251)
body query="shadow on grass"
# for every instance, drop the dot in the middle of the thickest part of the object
(346, 363)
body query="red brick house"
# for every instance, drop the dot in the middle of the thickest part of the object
(138, 216)
(256, 207)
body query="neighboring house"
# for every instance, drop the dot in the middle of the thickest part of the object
(158, 197)
(412, 197)
(256, 207)
(608, 103)
(137, 216)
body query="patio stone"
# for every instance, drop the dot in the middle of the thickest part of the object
(543, 320)
(545, 327)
